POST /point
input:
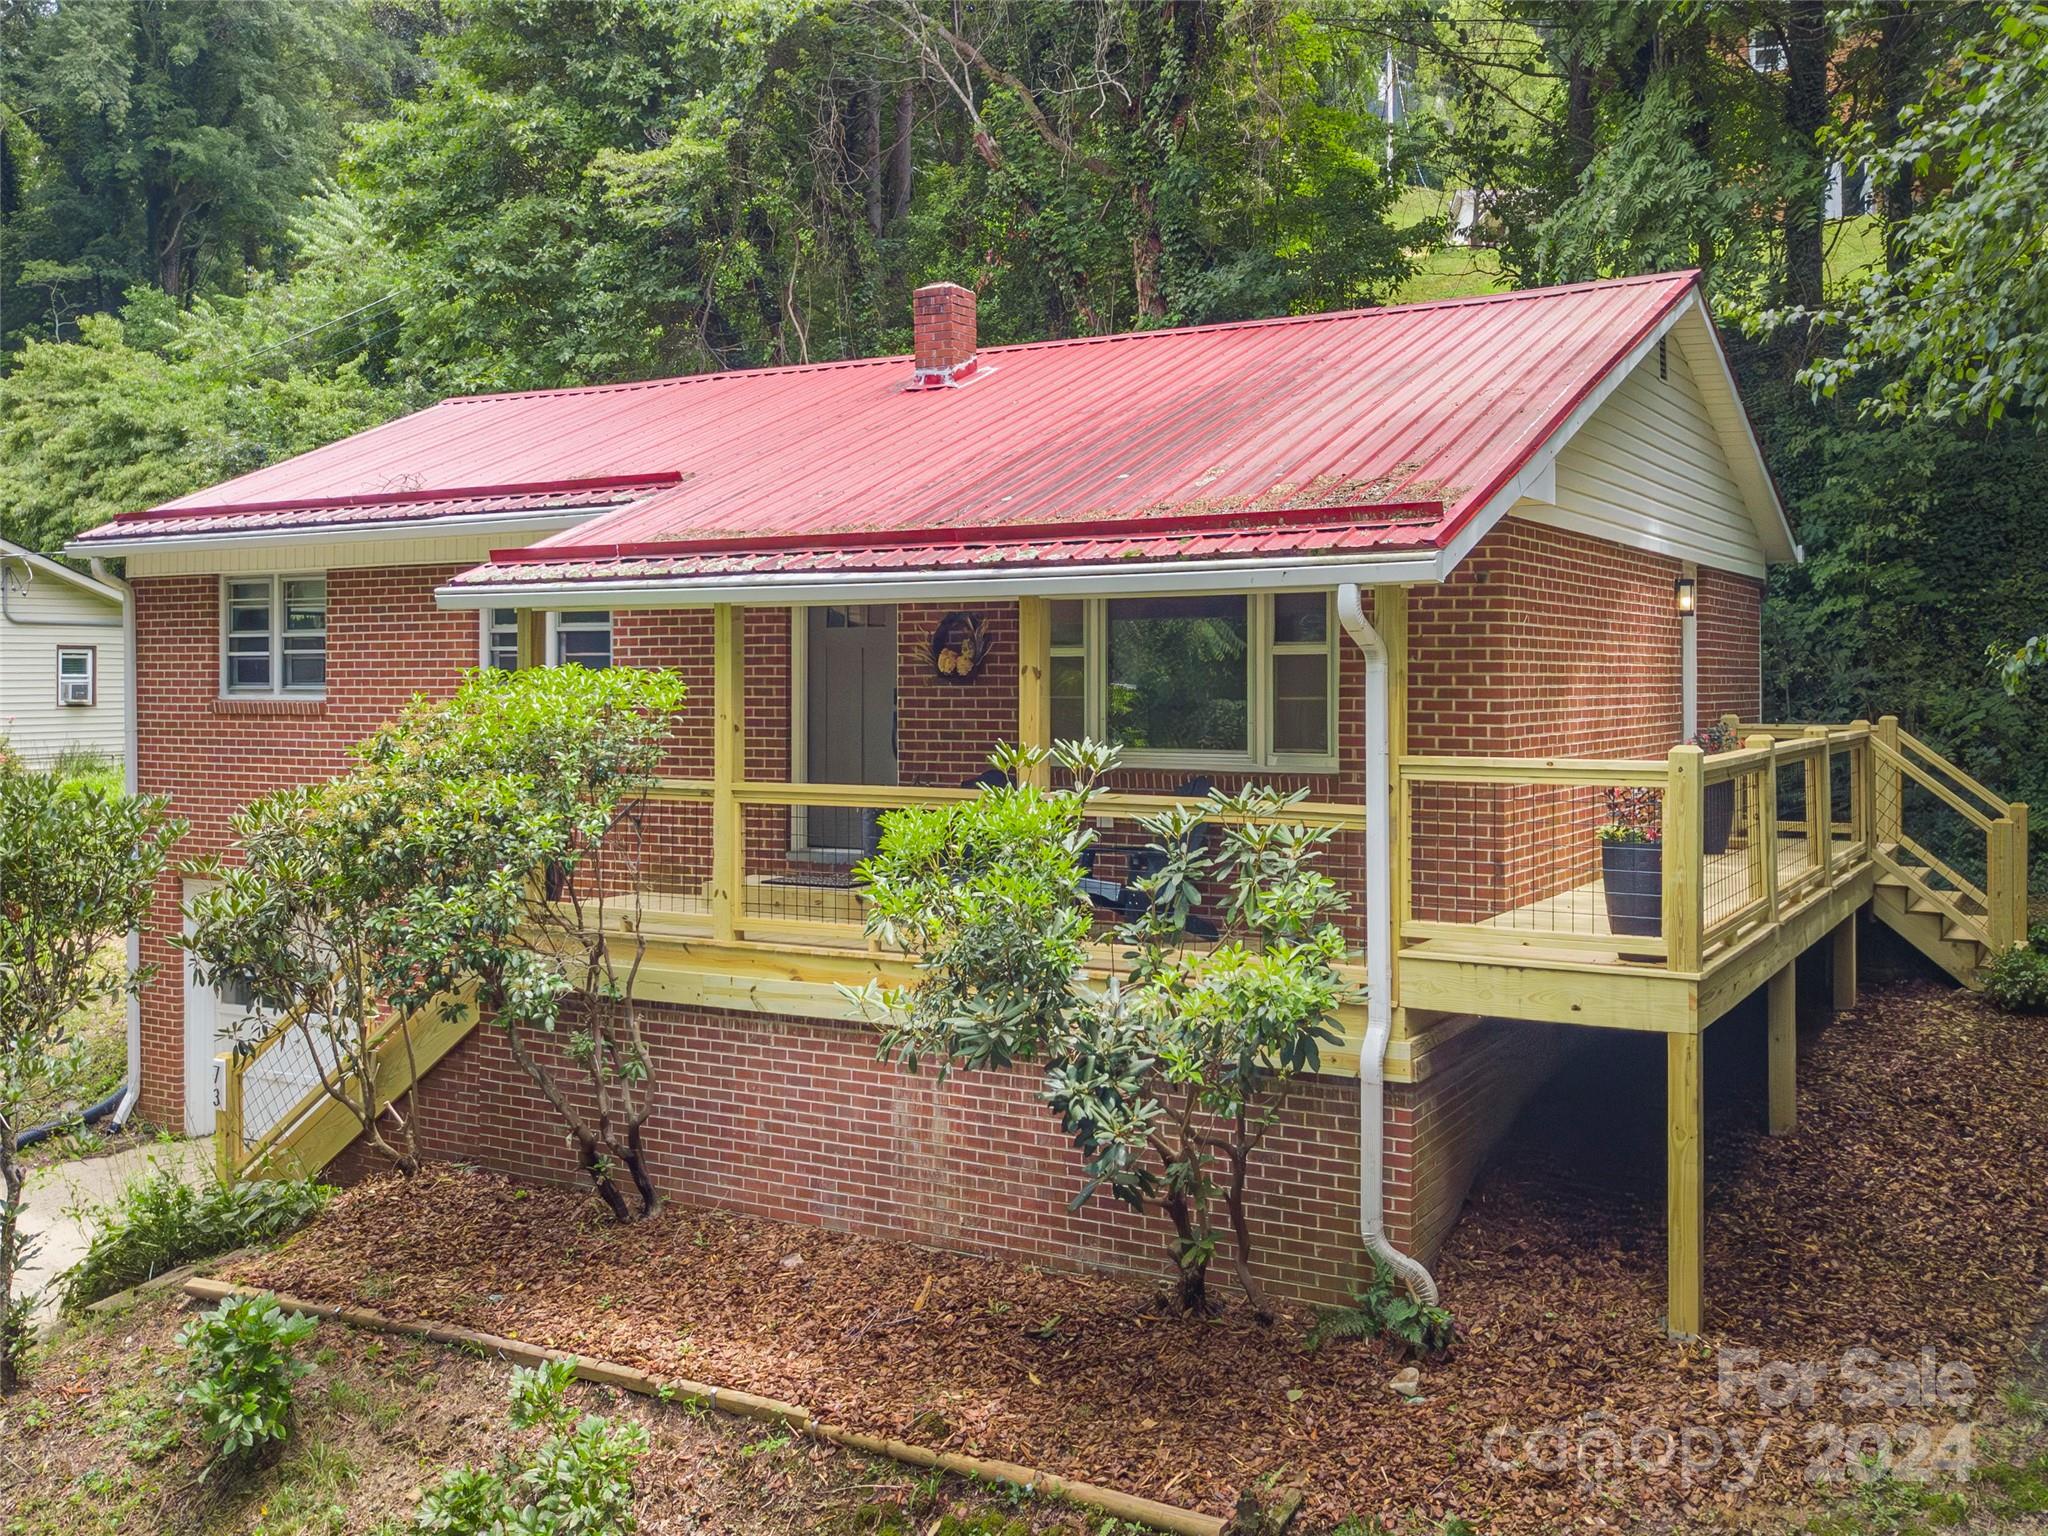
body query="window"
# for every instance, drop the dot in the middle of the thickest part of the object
(501, 639)
(583, 640)
(274, 635)
(1766, 53)
(1302, 671)
(1209, 681)
(1178, 678)
(77, 680)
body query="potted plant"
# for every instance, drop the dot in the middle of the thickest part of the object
(1632, 861)
(1717, 801)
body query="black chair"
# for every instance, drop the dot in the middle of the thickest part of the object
(1142, 862)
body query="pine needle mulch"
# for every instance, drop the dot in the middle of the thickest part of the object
(1907, 1217)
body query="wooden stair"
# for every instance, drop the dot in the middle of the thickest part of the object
(316, 1129)
(1958, 924)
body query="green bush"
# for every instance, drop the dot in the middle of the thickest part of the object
(160, 1222)
(578, 1483)
(2018, 979)
(241, 1362)
(1383, 1309)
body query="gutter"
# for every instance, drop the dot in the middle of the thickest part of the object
(1304, 573)
(1379, 953)
(130, 772)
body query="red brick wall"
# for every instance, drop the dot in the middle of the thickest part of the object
(797, 1120)
(385, 641)
(1542, 643)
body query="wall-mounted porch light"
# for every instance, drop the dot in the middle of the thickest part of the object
(1684, 592)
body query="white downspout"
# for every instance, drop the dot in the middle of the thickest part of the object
(130, 778)
(1379, 953)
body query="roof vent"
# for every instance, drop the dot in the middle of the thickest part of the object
(942, 316)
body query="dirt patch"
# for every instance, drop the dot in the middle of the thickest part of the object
(98, 1446)
(1908, 1215)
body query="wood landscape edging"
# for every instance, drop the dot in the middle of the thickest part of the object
(1123, 1506)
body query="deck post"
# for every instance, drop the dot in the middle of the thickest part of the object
(2005, 920)
(1684, 857)
(1842, 954)
(728, 746)
(1763, 827)
(2016, 813)
(227, 1119)
(1820, 805)
(1685, 1186)
(1782, 1006)
(1034, 682)
(1884, 779)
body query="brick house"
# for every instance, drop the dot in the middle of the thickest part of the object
(1456, 569)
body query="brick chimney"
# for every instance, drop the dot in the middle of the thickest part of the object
(942, 316)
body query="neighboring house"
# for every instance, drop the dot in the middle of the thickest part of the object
(63, 670)
(1457, 570)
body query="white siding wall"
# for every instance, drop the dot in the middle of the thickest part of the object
(31, 720)
(1649, 469)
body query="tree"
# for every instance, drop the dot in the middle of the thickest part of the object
(514, 846)
(1170, 1077)
(304, 923)
(169, 144)
(77, 866)
(1955, 328)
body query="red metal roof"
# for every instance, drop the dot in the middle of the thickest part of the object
(1318, 431)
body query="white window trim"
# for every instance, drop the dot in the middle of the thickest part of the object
(1259, 693)
(277, 688)
(483, 635)
(92, 676)
(551, 633)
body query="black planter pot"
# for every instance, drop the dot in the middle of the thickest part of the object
(1632, 875)
(1717, 814)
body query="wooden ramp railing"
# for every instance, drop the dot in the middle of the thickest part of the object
(276, 1118)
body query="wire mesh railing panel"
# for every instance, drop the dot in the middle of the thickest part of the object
(1732, 888)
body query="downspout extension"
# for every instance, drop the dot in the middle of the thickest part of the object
(1379, 954)
(133, 1091)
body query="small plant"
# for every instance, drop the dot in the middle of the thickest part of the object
(1383, 1309)
(1716, 738)
(242, 1364)
(1634, 815)
(160, 1222)
(579, 1482)
(2018, 979)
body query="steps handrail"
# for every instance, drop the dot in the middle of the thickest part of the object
(1999, 804)
(1927, 781)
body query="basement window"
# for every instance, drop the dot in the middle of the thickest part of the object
(1230, 680)
(274, 635)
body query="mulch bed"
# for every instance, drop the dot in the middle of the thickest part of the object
(1908, 1214)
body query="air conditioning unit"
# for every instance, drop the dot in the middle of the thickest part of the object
(76, 690)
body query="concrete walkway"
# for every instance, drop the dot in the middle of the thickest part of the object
(57, 1193)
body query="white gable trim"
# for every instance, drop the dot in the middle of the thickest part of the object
(1536, 482)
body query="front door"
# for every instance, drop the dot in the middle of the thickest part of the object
(850, 713)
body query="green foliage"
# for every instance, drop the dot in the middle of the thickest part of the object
(241, 1361)
(166, 145)
(159, 1222)
(1168, 1077)
(1920, 551)
(577, 1482)
(1956, 326)
(77, 869)
(1382, 1310)
(2018, 979)
(307, 920)
(509, 840)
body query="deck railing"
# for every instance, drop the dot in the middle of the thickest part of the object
(1502, 858)
(1958, 846)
